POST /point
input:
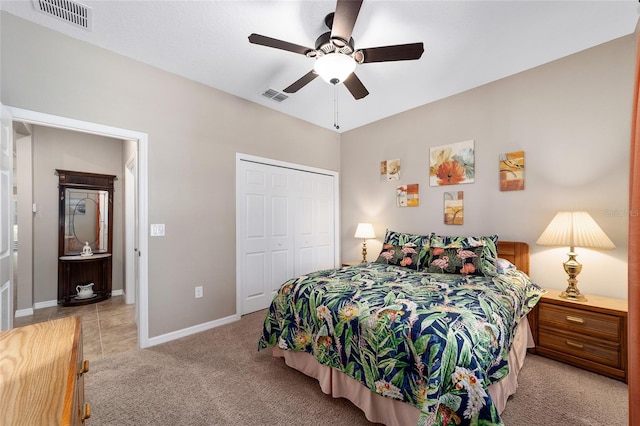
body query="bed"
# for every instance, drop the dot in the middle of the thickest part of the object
(407, 340)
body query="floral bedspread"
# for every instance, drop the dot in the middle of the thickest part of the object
(435, 341)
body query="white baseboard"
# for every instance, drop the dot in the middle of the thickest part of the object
(45, 304)
(23, 312)
(192, 330)
(51, 303)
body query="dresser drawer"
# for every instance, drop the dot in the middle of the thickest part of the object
(582, 346)
(581, 321)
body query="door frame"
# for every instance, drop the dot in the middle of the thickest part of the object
(7, 218)
(130, 244)
(141, 140)
(277, 163)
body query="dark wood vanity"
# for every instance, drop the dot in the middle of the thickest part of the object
(85, 240)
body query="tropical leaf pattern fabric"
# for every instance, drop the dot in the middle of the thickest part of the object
(406, 255)
(435, 341)
(489, 244)
(402, 239)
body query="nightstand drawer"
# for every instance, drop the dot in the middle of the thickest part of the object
(593, 323)
(582, 346)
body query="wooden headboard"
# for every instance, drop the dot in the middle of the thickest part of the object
(516, 253)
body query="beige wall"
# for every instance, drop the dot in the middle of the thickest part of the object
(66, 150)
(194, 133)
(572, 118)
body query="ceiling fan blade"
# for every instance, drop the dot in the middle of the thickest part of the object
(355, 86)
(278, 44)
(344, 19)
(398, 52)
(301, 82)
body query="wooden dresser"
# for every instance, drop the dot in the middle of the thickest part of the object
(41, 374)
(590, 335)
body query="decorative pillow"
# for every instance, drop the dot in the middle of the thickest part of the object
(400, 238)
(421, 243)
(406, 255)
(455, 260)
(503, 266)
(489, 252)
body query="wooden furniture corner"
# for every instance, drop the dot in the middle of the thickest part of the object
(42, 374)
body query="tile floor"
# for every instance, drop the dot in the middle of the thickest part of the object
(108, 327)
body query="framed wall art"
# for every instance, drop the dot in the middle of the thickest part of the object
(512, 171)
(390, 170)
(453, 208)
(408, 195)
(452, 164)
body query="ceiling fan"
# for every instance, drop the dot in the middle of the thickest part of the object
(335, 53)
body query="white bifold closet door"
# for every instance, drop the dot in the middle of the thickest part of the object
(286, 228)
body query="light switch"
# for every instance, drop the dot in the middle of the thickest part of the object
(157, 229)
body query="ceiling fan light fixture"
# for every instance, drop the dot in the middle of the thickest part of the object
(334, 68)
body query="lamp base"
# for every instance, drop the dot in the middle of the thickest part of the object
(364, 251)
(567, 294)
(572, 268)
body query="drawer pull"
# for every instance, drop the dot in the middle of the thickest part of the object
(574, 345)
(87, 412)
(85, 367)
(577, 320)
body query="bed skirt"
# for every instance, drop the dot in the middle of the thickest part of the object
(379, 409)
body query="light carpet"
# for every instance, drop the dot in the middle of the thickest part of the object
(218, 377)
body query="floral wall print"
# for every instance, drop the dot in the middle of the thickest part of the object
(389, 170)
(453, 208)
(452, 164)
(512, 171)
(383, 171)
(408, 195)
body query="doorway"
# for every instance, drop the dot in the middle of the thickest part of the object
(140, 141)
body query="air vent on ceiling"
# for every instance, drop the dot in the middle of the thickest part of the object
(70, 11)
(274, 95)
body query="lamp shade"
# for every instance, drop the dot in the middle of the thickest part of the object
(365, 231)
(334, 68)
(575, 229)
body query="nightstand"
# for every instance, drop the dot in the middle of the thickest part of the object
(590, 335)
(351, 263)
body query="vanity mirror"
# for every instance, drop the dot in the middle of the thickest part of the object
(86, 215)
(85, 237)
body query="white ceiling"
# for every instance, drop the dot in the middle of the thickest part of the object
(467, 44)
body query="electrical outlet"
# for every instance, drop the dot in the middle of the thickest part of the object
(199, 292)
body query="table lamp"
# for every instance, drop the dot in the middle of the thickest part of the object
(574, 229)
(364, 231)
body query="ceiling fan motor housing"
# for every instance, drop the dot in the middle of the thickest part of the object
(325, 44)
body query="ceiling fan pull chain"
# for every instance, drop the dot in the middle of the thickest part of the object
(335, 107)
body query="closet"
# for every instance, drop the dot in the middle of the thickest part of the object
(286, 226)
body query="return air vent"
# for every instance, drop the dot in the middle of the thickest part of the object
(274, 95)
(70, 11)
